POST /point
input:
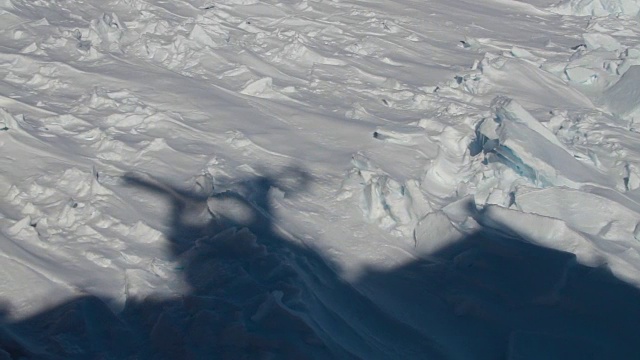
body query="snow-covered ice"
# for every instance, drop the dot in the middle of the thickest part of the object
(320, 179)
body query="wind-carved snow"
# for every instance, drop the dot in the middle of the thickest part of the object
(598, 7)
(319, 179)
(383, 200)
(623, 98)
(608, 50)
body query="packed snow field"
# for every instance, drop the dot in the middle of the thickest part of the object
(319, 179)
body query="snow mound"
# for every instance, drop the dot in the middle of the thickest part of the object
(597, 63)
(521, 76)
(383, 200)
(598, 7)
(7, 121)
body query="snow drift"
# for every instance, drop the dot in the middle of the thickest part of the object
(598, 7)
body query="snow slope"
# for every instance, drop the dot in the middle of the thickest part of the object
(319, 179)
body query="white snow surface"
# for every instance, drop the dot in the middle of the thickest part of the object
(599, 7)
(321, 179)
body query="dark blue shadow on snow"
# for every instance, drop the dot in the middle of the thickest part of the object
(256, 295)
